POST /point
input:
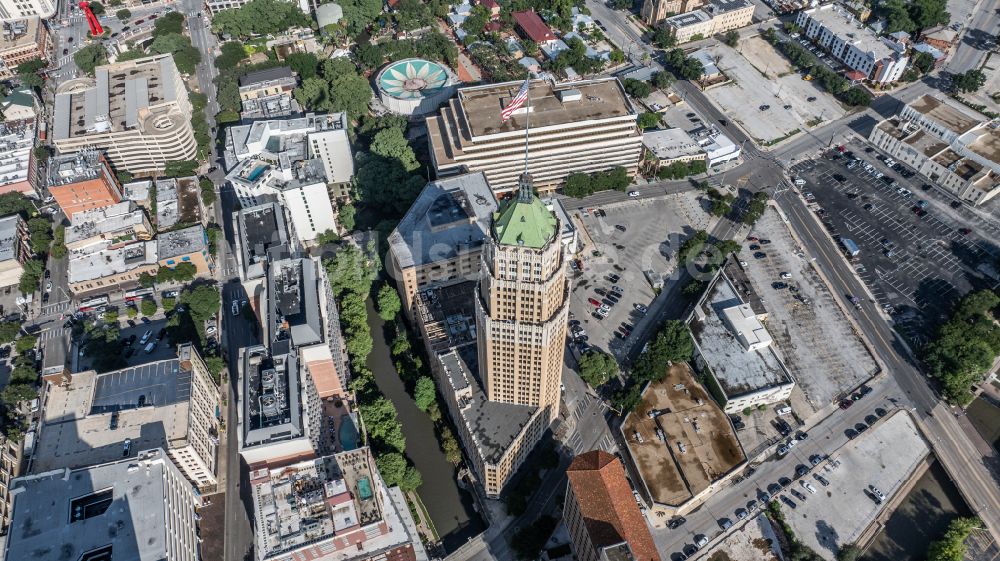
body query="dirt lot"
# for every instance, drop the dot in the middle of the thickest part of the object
(754, 541)
(812, 335)
(789, 113)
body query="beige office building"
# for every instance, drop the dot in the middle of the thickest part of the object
(137, 112)
(655, 11)
(584, 126)
(522, 305)
(718, 16)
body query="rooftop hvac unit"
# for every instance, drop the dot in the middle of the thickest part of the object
(566, 96)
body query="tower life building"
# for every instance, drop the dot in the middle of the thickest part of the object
(522, 305)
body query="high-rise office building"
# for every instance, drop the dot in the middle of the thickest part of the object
(585, 126)
(522, 304)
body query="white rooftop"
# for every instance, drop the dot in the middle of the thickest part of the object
(844, 25)
(671, 144)
(747, 326)
(88, 264)
(99, 221)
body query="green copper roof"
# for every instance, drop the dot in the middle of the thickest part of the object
(526, 223)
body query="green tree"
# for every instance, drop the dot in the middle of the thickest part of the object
(148, 306)
(261, 17)
(385, 183)
(186, 57)
(964, 347)
(327, 237)
(731, 38)
(304, 64)
(232, 53)
(412, 14)
(380, 420)
(40, 234)
(146, 280)
(169, 24)
(392, 466)
(8, 331)
(597, 367)
(849, 552)
(90, 57)
(928, 13)
(29, 73)
(202, 301)
(857, 97)
(31, 276)
(359, 14)
(208, 196)
(411, 479)
(346, 215)
(969, 81)
(25, 343)
(672, 344)
(16, 393)
(424, 393)
(58, 248)
(649, 120)
(952, 546)
(663, 80)
(97, 8)
(131, 312)
(390, 143)
(123, 14)
(923, 62)
(664, 38)
(388, 302)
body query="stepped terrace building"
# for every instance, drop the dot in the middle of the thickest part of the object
(584, 126)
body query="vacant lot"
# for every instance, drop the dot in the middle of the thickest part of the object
(786, 93)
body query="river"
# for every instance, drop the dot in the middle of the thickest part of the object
(450, 507)
(921, 518)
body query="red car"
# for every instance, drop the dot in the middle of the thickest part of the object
(593, 302)
(846, 404)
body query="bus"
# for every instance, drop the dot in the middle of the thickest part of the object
(138, 294)
(93, 303)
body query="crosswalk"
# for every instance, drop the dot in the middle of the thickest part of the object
(56, 308)
(48, 334)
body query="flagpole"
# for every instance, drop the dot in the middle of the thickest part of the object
(527, 123)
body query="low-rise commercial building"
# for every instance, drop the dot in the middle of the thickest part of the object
(188, 245)
(681, 447)
(835, 29)
(17, 161)
(956, 149)
(22, 40)
(136, 111)
(111, 226)
(440, 240)
(716, 16)
(169, 404)
(655, 11)
(11, 464)
(600, 513)
(732, 343)
(331, 508)
(99, 269)
(575, 127)
(669, 146)
(140, 508)
(14, 249)
(82, 181)
(267, 94)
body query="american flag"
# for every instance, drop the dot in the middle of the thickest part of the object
(515, 103)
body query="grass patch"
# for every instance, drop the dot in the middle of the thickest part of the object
(782, 138)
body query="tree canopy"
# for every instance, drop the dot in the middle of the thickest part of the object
(597, 367)
(29, 73)
(969, 81)
(672, 344)
(388, 302)
(580, 185)
(359, 14)
(965, 346)
(260, 17)
(424, 393)
(952, 546)
(637, 88)
(90, 57)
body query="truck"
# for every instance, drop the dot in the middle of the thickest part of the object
(850, 247)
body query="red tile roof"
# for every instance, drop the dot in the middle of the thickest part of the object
(491, 4)
(533, 26)
(608, 507)
(856, 75)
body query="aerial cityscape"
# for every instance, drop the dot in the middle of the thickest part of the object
(473, 280)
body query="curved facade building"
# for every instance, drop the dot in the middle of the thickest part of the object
(137, 112)
(414, 86)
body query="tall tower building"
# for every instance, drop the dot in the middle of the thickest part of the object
(522, 304)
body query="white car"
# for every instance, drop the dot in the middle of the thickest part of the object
(875, 491)
(210, 330)
(808, 486)
(786, 275)
(633, 194)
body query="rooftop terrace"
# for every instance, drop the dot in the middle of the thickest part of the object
(686, 442)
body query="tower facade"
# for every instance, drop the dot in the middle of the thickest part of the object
(522, 305)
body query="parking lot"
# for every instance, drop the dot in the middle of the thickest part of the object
(916, 266)
(885, 456)
(162, 351)
(631, 237)
(816, 341)
(788, 107)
